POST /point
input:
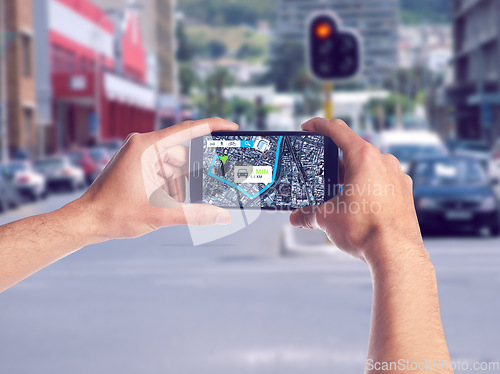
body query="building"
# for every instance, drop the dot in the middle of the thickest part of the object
(476, 89)
(429, 46)
(375, 20)
(158, 29)
(87, 91)
(17, 78)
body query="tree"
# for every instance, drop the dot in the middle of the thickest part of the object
(214, 86)
(384, 110)
(185, 50)
(229, 12)
(286, 62)
(187, 78)
(216, 49)
(249, 51)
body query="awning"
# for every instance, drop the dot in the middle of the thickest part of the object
(125, 91)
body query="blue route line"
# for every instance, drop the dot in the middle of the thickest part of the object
(238, 187)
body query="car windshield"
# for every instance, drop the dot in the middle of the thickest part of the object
(406, 152)
(53, 163)
(15, 166)
(449, 171)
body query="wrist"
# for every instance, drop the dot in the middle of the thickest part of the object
(82, 222)
(388, 251)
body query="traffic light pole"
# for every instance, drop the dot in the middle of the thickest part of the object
(328, 106)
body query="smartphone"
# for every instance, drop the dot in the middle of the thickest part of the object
(278, 170)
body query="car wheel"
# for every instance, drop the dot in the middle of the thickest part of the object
(13, 204)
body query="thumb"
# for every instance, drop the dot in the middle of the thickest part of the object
(205, 214)
(305, 217)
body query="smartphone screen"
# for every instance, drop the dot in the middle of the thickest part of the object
(265, 170)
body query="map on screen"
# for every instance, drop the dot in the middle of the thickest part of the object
(263, 171)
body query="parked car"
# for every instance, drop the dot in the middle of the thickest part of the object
(28, 182)
(9, 197)
(454, 192)
(112, 145)
(59, 172)
(101, 156)
(494, 165)
(408, 144)
(476, 149)
(82, 158)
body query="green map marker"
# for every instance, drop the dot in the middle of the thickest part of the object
(223, 159)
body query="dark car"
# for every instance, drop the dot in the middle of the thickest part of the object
(454, 192)
(9, 196)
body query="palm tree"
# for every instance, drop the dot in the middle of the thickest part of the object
(221, 77)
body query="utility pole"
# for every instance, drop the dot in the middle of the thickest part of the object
(3, 89)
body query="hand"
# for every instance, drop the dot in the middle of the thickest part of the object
(143, 186)
(373, 218)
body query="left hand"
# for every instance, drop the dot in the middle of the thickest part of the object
(143, 186)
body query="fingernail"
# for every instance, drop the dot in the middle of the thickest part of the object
(293, 220)
(223, 219)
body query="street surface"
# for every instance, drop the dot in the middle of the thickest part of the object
(159, 305)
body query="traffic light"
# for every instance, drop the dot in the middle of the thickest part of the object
(333, 53)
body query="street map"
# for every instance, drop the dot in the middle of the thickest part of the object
(284, 172)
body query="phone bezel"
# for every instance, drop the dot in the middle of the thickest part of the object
(196, 164)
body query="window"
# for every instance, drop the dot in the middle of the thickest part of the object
(26, 55)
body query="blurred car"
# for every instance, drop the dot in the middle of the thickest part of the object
(476, 149)
(59, 172)
(28, 182)
(9, 197)
(101, 157)
(112, 145)
(82, 158)
(494, 164)
(408, 144)
(454, 192)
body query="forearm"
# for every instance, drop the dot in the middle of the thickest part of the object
(30, 244)
(406, 321)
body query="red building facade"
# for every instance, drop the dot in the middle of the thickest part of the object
(96, 97)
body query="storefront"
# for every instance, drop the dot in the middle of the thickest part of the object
(97, 90)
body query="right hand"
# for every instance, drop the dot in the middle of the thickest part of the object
(373, 218)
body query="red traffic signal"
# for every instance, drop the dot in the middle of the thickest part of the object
(333, 52)
(323, 30)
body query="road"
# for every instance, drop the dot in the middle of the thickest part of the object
(159, 305)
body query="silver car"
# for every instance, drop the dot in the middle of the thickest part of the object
(60, 172)
(28, 182)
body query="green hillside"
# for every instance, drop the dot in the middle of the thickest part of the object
(425, 11)
(238, 12)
